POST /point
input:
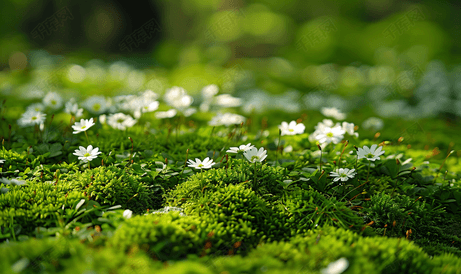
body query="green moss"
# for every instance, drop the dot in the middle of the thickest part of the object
(114, 186)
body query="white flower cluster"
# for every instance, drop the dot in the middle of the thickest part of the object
(168, 209)
(327, 132)
(224, 100)
(226, 119)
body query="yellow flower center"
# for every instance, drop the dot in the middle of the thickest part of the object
(86, 154)
(329, 134)
(97, 107)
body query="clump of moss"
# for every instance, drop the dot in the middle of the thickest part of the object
(307, 209)
(164, 236)
(112, 185)
(35, 204)
(269, 183)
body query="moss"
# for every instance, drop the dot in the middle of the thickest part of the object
(164, 236)
(308, 209)
(115, 186)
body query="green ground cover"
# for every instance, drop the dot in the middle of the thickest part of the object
(309, 194)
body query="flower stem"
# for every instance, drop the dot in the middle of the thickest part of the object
(87, 138)
(320, 168)
(277, 150)
(344, 148)
(254, 182)
(368, 174)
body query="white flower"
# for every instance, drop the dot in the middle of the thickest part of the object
(325, 123)
(120, 121)
(226, 100)
(149, 95)
(12, 181)
(166, 114)
(102, 118)
(2, 161)
(87, 154)
(198, 164)
(52, 100)
(177, 97)
(254, 155)
(288, 149)
(127, 214)
(328, 135)
(188, 112)
(333, 112)
(226, 119)
(373, 123)
(343, 174)
(241, 148)
(96, 104)
(291, 129)
(349, 128)
(336, 267)
(150, 106)
(32, 117)
(72, 109)
(83, 125)
(371, 153)
(36, 107)
(210, 91)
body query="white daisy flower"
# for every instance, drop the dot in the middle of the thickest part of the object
(87, 154)
(150, 106)
(127, 214)
(373, 123)
(83, 125)
(72, 108)
(371, 154)
(333, 112)
(349, 128)
(30, 118)
(166, 114)
(240, 149)
(198, 164)
(226, 119)
(96, 104)
(336, 267)
(292, 129)
(227, 101)
(36, 107)
(149, 95)
(120, 121)
(52, 100)
(328, 135)
(343, 174)
(188, 112)
(325, 123)
(178, 98)
(210, 91)
(254, 155)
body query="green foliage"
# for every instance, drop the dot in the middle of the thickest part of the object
(396, 215)
(308, 209)
(114, 186)
(35, 204)
(269, 182)
(164, 236)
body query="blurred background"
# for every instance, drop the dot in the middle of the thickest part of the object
(397, 58)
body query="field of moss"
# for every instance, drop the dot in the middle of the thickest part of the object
(141, 207)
